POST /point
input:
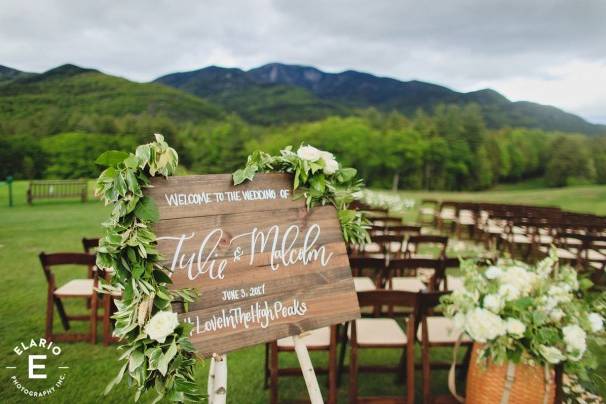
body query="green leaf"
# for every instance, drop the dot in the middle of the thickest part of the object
(243, 174)
(147, 210)
(116, 380)
(135, 360)
(111, 158)
(166, 358)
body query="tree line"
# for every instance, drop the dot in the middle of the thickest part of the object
(448, 149)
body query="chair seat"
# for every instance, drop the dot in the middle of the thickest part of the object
(319, 338)
(76, 287)
(428, 211)
(407, 283)
(562, 253)
(363, 284)
(466, 220)
(441, 330)
(379, 331)
(516, 238)
(454, 283)
(544, 239)
(594, 255)
(372, 248)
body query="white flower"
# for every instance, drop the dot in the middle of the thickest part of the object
(493, 303)
(483, 325)
(161, 325)
(545, 266)
(574, 337)
(493, 272)
(308, 153)
(519, 278)
(509, 292)
(596, 321)
(556, 315)
(330, 166)
(459, 321)
(551, 354)
(515, 327)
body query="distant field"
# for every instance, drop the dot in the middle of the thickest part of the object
(55, 226)
(589, 199)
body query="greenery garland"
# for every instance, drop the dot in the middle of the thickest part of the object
(319, 179)
(157, 352)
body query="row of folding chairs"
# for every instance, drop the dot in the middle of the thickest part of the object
(404, 320)
(390, 293)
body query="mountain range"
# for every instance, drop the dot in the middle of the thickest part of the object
(271, 94)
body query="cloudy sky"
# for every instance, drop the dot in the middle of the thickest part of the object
(547, 51)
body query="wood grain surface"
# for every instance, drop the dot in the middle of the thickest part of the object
(265, 266)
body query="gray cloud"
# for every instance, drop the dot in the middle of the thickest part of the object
(522, 48)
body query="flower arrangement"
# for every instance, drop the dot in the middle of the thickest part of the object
(540, 315)
(319, 179)
(393, 202)
(157, 352)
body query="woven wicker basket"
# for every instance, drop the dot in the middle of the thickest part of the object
(527, 384)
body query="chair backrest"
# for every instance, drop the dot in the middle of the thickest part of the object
(360, 264)
(410, 266)
(414, 242)
(57, 259)
(387, 242)
(90, 244)
(383, 297)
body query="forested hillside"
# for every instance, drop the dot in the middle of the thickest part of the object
(54, 124)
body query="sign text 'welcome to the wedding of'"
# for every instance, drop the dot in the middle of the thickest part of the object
(265, 266)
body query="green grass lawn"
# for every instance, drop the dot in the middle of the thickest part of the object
(55, 226)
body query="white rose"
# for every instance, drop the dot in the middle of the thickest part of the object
(161, 325)
(574, 337)
(556, 315)
(509, 292)
(493, 272)
(551, 354)
(515, 327)
(308, 153)
(330, 167)
(597, 322)
(493, 303)
(483, 325)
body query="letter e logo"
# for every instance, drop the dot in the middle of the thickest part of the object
(33, 366)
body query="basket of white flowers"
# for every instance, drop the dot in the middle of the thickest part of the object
(525, 320)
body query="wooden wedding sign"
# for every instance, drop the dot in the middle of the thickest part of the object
(265, 266)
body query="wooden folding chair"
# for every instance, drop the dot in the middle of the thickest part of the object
(436, 331)
(367, 272)
(384, 246)
(323, 339)
(383, 333)
(76, 288)
(414, 244)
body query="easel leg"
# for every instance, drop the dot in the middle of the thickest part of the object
(219, 390)
(211, 381)
(307, 368)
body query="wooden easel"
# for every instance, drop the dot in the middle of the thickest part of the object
(217, 375)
